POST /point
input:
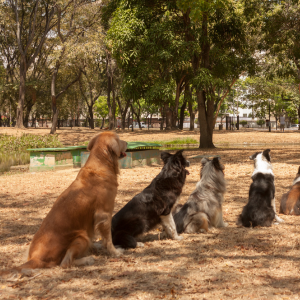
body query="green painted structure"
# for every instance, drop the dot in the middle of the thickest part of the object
(50, 159)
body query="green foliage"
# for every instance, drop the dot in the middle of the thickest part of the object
(181, 141)
(260, 122)
(243, 122)
(13, 149)
(100, 107)
(10, 143)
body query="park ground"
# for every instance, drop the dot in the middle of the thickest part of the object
(227, 263)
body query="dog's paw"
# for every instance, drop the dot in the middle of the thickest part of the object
(84, 261)
(97, 246)
(89, 260)
(178, 238)
(279, 220)
(140, 245)
(118, 252)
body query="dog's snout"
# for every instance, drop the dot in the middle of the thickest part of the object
(187, 163)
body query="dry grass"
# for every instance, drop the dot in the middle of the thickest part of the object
(77, 136)
(230, 263)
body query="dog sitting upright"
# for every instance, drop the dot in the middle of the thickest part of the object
(260, 209)
(290, 201)
(204, 205)
(153, 205)
(85, 207)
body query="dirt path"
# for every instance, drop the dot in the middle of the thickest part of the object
(230, 263)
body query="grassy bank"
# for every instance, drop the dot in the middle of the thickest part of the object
(13, 149)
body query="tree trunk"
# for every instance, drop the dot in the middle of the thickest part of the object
(169, 114)
(91, 117)
(21, 93)
(206, 119)
(182, 109)
(137, 114)
(113, 102)
(123, 118)
(103, 120)
(162, 118)
(53, 96)
(110, 110)
(128, 119)
(26, 118)
(177, 96)
(299, 112)
(123, 111)
(192, 115)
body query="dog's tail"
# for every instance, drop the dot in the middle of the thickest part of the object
(25, 269)
(124, 240)
(190, 222)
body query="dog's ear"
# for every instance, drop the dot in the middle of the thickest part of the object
(165, 156)
(217, 164)
(204, 161)
(175, 168)
(92, 143)
(114, 146)
(180, 152)
(267, 155)
(252, 157)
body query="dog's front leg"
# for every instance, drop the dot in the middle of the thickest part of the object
(220, 221)
(279, 220)
(103, 225)
(170, 227)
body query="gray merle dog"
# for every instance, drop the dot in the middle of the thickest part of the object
(204, 206)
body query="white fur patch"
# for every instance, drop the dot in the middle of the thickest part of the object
(262, 165)
(296, 180)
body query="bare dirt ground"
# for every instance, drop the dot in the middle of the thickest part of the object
(229, 263)
(77, 136)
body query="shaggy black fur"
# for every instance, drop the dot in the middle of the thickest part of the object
(143, 212)
(259, 210)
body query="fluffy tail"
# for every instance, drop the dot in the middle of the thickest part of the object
(124, 240)
(188, 221)
(181, 218)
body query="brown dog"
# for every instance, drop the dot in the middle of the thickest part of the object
(84, 207)
(290, 201)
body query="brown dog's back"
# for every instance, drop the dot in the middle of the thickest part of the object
(290, 202)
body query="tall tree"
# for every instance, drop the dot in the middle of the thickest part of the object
(32, 21)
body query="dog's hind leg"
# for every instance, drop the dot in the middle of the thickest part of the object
(170, 227)
(77, 249)
(279, 220)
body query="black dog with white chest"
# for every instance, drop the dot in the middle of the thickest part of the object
(153, 205)
(260, 209)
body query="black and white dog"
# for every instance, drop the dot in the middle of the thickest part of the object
(260, 209)
(203, 208)
(153, 205)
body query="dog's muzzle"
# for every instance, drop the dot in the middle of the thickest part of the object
(123, 154)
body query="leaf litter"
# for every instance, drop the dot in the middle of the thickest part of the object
(227, 263)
